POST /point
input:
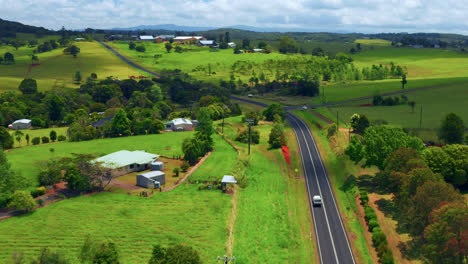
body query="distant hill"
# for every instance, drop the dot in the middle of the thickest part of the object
(169, 27)
(9, 29)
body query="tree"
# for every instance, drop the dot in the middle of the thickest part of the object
(22, 201)
(77, 77)
(131, 45)
(378, 142)
(403, 81)
(168, 47)
(204, 129)
(8, 58)
(120, 125)
(192, 150)
(452, 129)
(106, 253)
(246, 43)
(262, 45)
(287, 45)
(55, 106)
(6, 140)
(227, 37)
(272, 110)
(27, 138)
(18, 134)
(73, 50)
(53, 135)
(34, 58)
(140, 48)
(176, 171)
(51, 173)
(174, 255)
(28, 86)
(48, 256)
(359, 123)
(276, 138)
(9, 180)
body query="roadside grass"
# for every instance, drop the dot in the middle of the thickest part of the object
(184, 215)
(273, 223)
(26, 160)
(436, 103)
(423, 63)
(339, 167)
(56, 70)
(61, 131)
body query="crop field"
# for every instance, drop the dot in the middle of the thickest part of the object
(272, 224)
(196, 62)
(421, 63)
(436, 103)
(37, 133)
(56, 70)
(184, 215)
(26, 160)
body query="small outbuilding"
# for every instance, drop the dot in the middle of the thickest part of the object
(152, 179)
(180, 124)
(157, 166)
(147, 38)
(227, 179)
(206, 43)
(231, 45)
(20, 124)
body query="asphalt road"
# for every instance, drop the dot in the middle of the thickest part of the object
(332, 241)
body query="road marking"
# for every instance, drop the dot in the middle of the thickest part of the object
(320, 191)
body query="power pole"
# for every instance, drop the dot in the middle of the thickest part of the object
(226, 259)
(420, 119)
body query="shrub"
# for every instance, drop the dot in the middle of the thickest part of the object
(331, 131)
(370, 213)
(185, 166)
(61, 138)
(22, 200)
(349, 183)
(38, 191)
(387, 257)
(176, 171)
(37, 122)
(36, 141)
(364, 198)
(140, 48)
(379, 238)
(40, 202)
(45, 140)
(373, 223)
(53, 135)
(244, 136)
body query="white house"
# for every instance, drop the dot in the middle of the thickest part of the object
(20, 124)
(206, 43)
(126, 161)
(147, 38)
(181, 124)
(231, 45)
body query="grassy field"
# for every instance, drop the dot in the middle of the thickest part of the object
(436, 103)
(196, 61)
(421, 63)
(26, 160)
(338, 168)
(56, 70)
(37, 133)
(373, 42)
(135, 224)
(273, 224)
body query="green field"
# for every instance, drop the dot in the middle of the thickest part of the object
(436, 103)
(56, 70)
(195, 62)
(26, 160)
(373, 42)
(37, 133)
(135, 224)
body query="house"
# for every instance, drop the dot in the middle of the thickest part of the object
(20, 124)
(185, 39)
(147, 38)
(258, 50)
(436, 46)
(164, 37)
(151, 179)
(101, 122)
(180, 124)
(231, 45)
(205, 43)
(79, 39)
(126, 161)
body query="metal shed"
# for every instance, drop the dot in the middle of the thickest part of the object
(157, 166)
(21, 124)
(152, 179)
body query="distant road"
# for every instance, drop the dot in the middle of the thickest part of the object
(127, 60)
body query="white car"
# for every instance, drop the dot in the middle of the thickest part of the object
(317, 200)
(304, 107)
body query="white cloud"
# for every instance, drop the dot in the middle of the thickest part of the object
(328, 15)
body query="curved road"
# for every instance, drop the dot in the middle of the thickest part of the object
(332, 241)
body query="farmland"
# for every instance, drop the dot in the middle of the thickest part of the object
(26, 160)
(38, 133)
(56, 70)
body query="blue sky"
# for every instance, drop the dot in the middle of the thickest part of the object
(367, 16)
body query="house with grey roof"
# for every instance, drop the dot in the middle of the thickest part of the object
(205, 43)
(181, 124)
(125, 161)
(20, 124)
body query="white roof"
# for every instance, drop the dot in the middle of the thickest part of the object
(146, 37)
(207, 42)
(157, 162)
(23, 121)
(124, 158)
(231, 43)
(228, 179)
(187, 37)
(181, 121)
(257, 50)
(152, 174)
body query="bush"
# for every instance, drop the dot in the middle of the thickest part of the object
(37, 122)
(373, 223)
(61, 138)
(176, 171)
(36, 141)
(331, 131)
(22, 200)
(364, 198)
(349, 183)
(53, 135)
(185, 166)
(140, 48)
(45, 140)
(370, 213)
(38, 191)
(379, 238)
(244, 136)
(387, 257)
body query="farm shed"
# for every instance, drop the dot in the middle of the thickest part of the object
(152, 179)
(184, 39)
(147, 38)
(20, 124)
(227, 179)
(180, 124)
(127, 161)
(206, 43)
(231, 45)
(157, 166)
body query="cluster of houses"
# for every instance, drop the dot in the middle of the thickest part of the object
(199, 40)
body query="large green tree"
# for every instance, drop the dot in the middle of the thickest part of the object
(451, 161)
(204, 129)
(28, 86)
(6, 140)
(287, 45)
(272, 110)
(452, 129)
(120, 125)
(55, 105)
(176, 254)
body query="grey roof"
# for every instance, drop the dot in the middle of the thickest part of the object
(23, 121)
(207, 42)
(157, 162)
(146, 37)
(228, 179)
(181, 121)
(152, 174)
(124, 158)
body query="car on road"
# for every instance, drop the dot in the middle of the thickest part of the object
(304, 107)
(317, 200)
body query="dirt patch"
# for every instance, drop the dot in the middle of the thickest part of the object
(122, 185)
(388, 226)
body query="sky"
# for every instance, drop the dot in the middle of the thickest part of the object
(364, 16)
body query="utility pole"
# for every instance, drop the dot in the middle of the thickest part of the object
(420, 119)
(226, 259)
(250, 122)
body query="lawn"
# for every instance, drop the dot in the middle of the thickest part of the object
(56, 70)
(37, 133)
(436, 104)
(184, 215)
(26, 160)
(338, 168)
